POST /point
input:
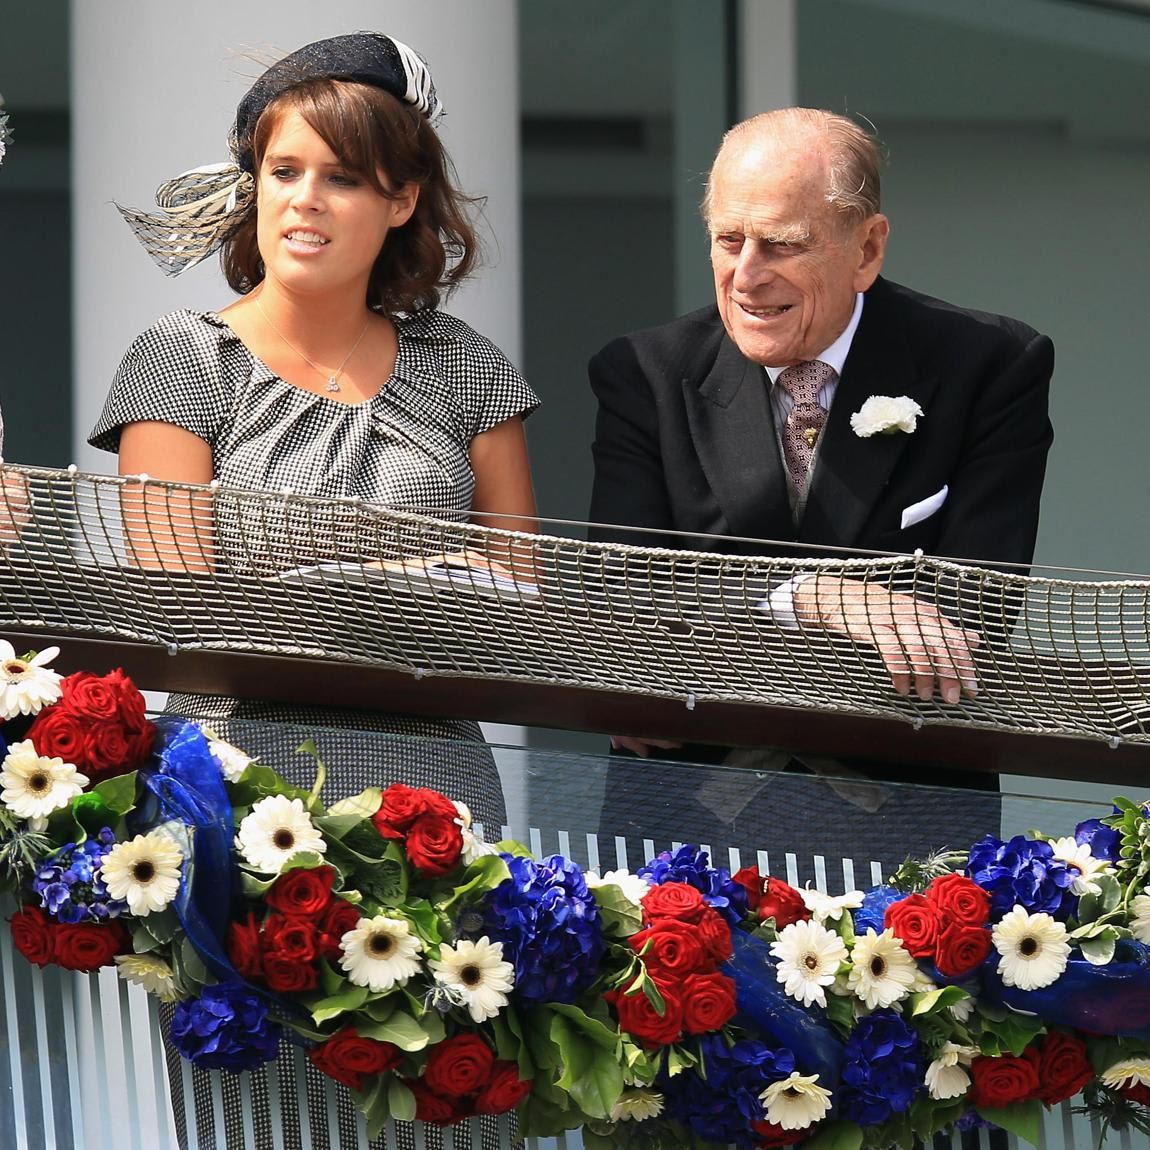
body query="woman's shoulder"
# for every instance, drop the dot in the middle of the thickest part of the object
(182, 330)
(443, 335)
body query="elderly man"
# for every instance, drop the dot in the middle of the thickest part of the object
(736, 420)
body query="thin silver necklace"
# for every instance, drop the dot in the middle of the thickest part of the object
(332, 378)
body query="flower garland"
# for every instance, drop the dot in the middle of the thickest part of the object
(437, 977)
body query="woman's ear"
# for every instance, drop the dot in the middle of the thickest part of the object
(403, 203)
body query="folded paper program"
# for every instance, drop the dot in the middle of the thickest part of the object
(436, 976)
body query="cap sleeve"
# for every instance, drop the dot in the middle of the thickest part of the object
(172, 373)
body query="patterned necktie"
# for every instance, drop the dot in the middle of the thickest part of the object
(803, 382)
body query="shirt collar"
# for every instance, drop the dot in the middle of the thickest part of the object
(835, 355)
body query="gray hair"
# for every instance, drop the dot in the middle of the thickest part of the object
(854, 156)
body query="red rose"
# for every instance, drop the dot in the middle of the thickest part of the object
(434, 844)
(57, 734)
(130, 706)
(961, 948)
(1063, 1067)
(503, 1091)
(674, 900)
(641, 1020)
(961, 898)
(402, 805)
(915, 921)
(458, 1065)
(143, 743)
(715, 935)
(771, 1135)
(337, 920)
(302, 891)
(87, 946)
(783, 903)
(349, 1058)
(1001, 1081)
(32, 932)
(1137, 1092)
(674, 949)
(107, 750)
(290, 937)
(288, 975)
(752, 882)
(243, 946)
(708, 1002)
(89, 696)
(430, 1107)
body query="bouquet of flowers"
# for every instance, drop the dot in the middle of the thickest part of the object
(437, 976)
(5, 132)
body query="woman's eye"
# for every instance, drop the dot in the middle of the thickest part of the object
(281, 173)
(344, 180)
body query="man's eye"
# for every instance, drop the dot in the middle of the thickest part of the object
(729, 240)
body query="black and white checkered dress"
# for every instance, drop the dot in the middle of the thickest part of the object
(408, 446)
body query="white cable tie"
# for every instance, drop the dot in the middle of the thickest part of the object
(918, 553)
(418, 672)
(918, 721)
(214, 485)
(72, 468)
(173, 648)
(1114, 742)
(286, 490)
(690, 700)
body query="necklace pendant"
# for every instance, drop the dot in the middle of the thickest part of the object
(332, 383)
(810, 435)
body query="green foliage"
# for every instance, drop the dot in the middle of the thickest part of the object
(1023, 1119)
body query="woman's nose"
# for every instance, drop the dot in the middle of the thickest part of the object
(307, 194)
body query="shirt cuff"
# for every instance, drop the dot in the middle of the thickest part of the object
(780, 603)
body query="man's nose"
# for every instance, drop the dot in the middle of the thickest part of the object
(752, 266)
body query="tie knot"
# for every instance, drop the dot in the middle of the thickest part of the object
(804, 381)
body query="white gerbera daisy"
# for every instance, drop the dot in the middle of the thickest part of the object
(882, 970)
(473, 846)
(476, 975)
(277, 828)
(637, 1103)
(1078, 857)
(796, 1102)
(1127, 1072)
(809, 958)
(1033, 947)
(824, 906)
(34, 787)
(1140, 924)
(233, 762)
(26, 685)
(144, 872)
(152, 973)
(946, 1076)
(381, 953)
(633, 886)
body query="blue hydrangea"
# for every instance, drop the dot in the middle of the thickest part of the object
(550, 928)
(1104, 842)
(69, 887)
(720, 1099)
(226, 1028)
(972, 1120)
(693, 866)
(875, 901)
(884, 1069)
(1024, 872)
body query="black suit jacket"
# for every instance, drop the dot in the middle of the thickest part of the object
(685, 438)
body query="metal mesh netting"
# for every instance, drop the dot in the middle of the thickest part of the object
(106, 557)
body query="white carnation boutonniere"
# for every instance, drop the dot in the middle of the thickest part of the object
(886, 414)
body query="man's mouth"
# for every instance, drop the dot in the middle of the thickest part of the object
(765, 312)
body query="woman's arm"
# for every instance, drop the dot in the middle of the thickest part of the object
(165, 529)
(503, 492)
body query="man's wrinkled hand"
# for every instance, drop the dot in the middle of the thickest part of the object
(917, 644)
(642, 747)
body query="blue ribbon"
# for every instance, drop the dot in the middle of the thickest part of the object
(762, 1001)
(188, 787)
(1113, 999)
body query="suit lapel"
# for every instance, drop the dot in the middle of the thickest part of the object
(729, 414)
(851, 471)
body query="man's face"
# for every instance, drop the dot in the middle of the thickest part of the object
(787, 264)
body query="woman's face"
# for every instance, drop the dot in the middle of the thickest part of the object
(320, 226)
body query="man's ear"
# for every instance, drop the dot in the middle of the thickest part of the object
(872, 237)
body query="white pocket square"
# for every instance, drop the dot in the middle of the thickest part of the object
(924, 508)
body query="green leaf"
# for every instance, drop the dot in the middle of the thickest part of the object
(258, 782)
(481, 876)
(936, 1000)
(591, 1071)
(621, 917)
(836, 1136)
(400, 1029)
(1023, 1119)
(334, 1005)
(1099, 951)
(840, 1011)
(1013, 1032)
(400, 1101)
(537, 1036)
(119, 793)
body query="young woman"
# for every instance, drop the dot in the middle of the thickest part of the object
(333, 374)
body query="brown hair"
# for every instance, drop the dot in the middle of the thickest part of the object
(371, 131)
